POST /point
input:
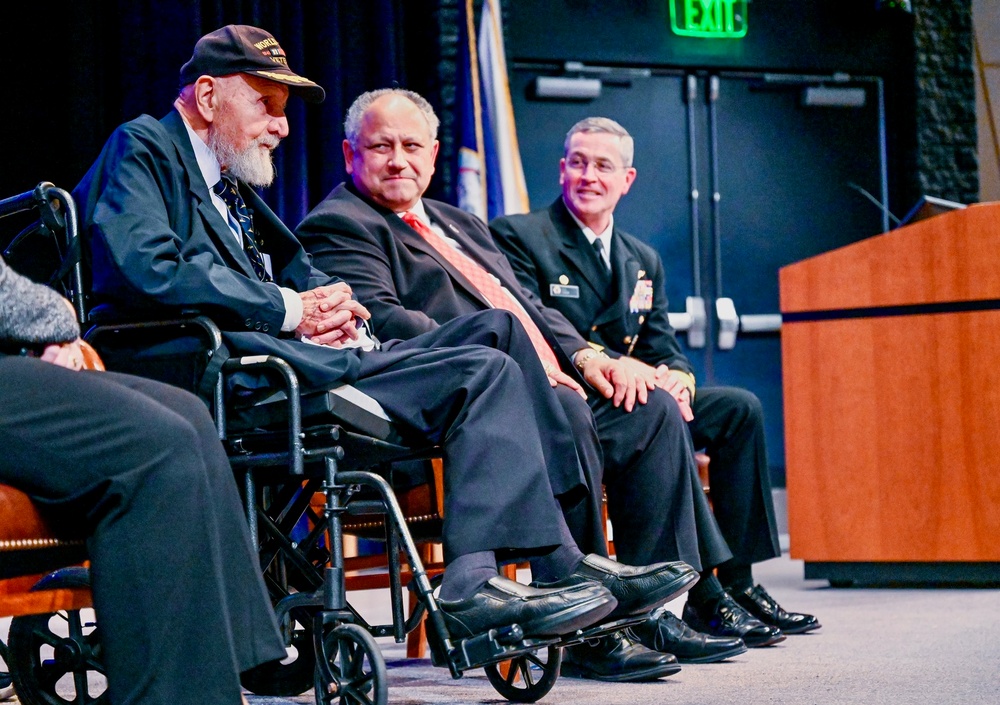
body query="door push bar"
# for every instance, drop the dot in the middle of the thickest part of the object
(730, 323)
(694, 321)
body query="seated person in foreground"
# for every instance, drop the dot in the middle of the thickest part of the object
(137, 467)
(611, 287)
(173, 221)
(421, 265)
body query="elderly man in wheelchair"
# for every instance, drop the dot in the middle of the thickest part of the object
(173, 227)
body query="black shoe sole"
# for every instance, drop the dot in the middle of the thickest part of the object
(569, 619)
(572, 670)
(801, 630)
(769, 641)
(667, 592)
(715, 658)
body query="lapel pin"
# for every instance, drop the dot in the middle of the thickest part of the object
(563, 279)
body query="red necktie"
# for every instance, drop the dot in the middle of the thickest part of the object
(484, 282)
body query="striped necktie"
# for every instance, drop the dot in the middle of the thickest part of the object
(227, 190)
(486, 285)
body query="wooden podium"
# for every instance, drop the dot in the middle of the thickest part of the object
(891, 374)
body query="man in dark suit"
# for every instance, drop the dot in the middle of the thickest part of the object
(378, 232)
(173, 222)
(610, 286)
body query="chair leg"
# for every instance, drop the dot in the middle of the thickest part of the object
(703, 461)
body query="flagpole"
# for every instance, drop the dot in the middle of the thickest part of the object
(470, 30)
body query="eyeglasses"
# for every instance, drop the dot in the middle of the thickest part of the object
(601, 166)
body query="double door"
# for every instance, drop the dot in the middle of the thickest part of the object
(738, 175)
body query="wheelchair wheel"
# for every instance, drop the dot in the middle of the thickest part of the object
(293, 675)
(527, 677)
(352, 671)
(55, 658)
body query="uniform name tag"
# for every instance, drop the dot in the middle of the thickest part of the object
(642, 296)
(565, 291)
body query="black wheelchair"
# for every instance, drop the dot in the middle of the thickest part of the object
(286, 446)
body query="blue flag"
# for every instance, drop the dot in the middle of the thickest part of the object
(491, 178)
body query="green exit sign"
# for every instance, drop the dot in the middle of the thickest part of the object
(709, 19)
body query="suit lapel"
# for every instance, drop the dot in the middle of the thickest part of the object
(576, 251)
(216, 226)
(494, 262)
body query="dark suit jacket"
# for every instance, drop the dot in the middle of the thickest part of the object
(158, 243)
(548, 251)
(408, 287)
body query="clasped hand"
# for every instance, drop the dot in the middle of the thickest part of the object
(68, 355)
(617, 381)
(330, 315)
(664, 378)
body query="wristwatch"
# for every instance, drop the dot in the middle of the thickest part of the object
(584, 355)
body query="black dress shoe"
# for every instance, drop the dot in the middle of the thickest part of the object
(638, 589)
(664, 632)
(757, 602)
(502, 602)
(616, 658)
(729, 619)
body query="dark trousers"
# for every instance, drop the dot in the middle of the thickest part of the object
(506, 442)
(645, 460)
(137, 467)
(655, 501)
(729, 425)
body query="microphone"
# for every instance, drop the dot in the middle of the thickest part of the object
(881, 206)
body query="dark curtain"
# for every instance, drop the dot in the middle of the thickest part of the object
(80, 71)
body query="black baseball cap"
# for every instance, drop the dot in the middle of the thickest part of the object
(240, 48)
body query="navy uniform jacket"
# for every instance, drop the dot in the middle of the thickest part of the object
(158, 242)
(553, 260)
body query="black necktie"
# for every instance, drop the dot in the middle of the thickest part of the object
(599, 251)
(226, 190)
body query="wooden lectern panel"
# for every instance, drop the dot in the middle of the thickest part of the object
(891, 374)
(892, 432)
(951, 257)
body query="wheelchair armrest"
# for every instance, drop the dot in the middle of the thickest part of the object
(344, 405)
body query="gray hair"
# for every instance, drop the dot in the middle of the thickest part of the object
(352, 123)
(603, 125)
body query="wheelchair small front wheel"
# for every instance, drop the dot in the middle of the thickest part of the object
(55, 658)
(351, 670)
(527, 677)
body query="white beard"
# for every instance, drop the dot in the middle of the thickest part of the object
(252, 165)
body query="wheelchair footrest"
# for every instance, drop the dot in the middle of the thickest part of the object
(493, 646)
(599, 630)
